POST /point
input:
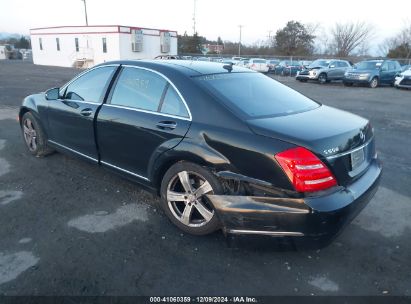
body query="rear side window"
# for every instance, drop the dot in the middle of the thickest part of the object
(90, 86)
(173, 104)
(253, 95)
(138, 88)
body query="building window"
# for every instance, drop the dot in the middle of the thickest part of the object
(41, 44)
(76, 42)
(104, 45)
(58, 44)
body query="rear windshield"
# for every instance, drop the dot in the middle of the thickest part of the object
(253, 95)
(259, 61)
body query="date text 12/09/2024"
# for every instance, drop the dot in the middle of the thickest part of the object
(203, 300)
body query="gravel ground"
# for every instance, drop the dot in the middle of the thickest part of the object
(71, 228)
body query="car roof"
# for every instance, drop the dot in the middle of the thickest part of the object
(187, 67)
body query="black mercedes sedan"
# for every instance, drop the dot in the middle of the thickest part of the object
(225, 147)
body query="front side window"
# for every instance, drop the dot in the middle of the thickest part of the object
(58, 44)
(77, 44)
(138, 88)
(41, 44)
(90, 86)
(253, 95)
(173, 104)
(104, 45)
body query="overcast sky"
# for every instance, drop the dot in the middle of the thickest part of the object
(214, 17)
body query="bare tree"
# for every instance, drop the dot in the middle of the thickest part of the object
(349, 37)
(399, 45)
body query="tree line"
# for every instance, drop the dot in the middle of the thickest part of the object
(298, 39)
(19, 43)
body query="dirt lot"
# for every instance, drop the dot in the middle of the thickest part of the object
(70, 228)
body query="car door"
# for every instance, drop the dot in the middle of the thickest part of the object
(332, 70)
(385, 72)
(144, 116)
(71, 117)
(342, 67)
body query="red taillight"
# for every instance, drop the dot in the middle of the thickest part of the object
(306, 171)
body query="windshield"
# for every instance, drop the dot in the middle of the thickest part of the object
(368, 65)
(259, 61)
(255, 95)
(319, 63)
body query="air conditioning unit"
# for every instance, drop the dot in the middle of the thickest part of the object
(165, 41)
(136, 40)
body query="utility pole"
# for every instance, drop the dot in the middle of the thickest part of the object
(194, 17)
(269, 37)
(85, 11)
(239, 44)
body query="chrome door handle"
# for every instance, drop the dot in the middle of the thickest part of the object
(86, 112)
(167, 125)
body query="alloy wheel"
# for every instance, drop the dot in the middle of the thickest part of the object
(186, 199)
(374, 83)
(30, 134)
(322, 78)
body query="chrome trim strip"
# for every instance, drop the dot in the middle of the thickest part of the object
(351, 151)
(272, 233)
(146, 111)
(72, 150)
(124, 170)
(171, 83)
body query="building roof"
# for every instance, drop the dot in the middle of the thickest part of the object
(91, 29)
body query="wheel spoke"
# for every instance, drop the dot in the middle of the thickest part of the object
(185, 181)
(26, 130)
(33, 143)
(205, 213)
(186, 216)
(203, 189)
(175, 196)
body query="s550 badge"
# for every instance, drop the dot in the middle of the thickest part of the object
(331, 151)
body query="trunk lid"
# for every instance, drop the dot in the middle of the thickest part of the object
(342, 140)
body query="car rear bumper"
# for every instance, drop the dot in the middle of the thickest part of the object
(317, 218)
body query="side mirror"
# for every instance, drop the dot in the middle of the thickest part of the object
(53, 94)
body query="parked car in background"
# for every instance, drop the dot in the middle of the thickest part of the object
(258, 64)
(305, 63)
(244, 62)
(167, 57)
(403, 79)
(205, 139)
(272, 63)
(288, 68)
(406, 67)
(324, 70)
(236, 60)
(373, 73)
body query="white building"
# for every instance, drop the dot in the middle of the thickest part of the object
(85, 46)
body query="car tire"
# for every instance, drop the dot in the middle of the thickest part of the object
(322, 78)
(348, 84)
(374, 83)
(34, 136)
(191, 213)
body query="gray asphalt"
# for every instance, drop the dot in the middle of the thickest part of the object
(71, 228)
